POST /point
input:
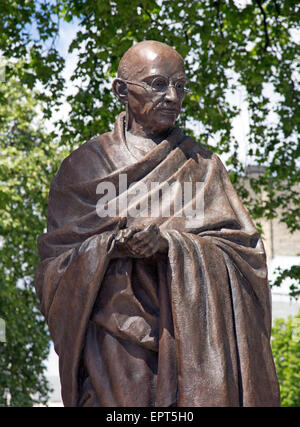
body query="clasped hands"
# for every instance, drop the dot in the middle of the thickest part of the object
(139, 242)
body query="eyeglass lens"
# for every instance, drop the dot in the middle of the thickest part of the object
(161, 85)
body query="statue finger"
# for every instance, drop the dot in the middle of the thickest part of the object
(145, 235)
(150, 251)
(143, 243)
(144, 246)
(129, 233)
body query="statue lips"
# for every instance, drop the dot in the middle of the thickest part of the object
(168, 111)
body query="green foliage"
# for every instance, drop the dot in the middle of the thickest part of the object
(226, 46)
(28, 30)
(286, 351)
(292, 274)
(27, 163)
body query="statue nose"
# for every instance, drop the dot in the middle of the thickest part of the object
(171, 93)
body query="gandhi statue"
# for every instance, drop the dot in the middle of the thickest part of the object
(150, 301)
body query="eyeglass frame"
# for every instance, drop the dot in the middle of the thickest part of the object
(146, 86)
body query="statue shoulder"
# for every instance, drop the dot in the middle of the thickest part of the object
(87, 162)
(200, 152)
(191, 147)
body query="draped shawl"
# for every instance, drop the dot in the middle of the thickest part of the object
(190, 327)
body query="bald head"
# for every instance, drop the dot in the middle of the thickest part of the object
(150, 82)
(138, 57)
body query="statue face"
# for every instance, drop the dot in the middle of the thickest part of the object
(156, 103)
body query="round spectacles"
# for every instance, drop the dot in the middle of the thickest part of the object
(161, 85)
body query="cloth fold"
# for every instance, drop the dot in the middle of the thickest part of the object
(187, 328)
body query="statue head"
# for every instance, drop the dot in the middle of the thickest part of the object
(151, 82)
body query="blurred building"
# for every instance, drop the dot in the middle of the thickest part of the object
(283, 251)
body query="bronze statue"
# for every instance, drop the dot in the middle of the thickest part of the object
(149, 301)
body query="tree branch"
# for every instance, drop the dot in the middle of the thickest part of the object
(219, 19)
(276, 7)
(267, 38)
(146, 11)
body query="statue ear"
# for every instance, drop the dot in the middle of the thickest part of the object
(120, 89)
